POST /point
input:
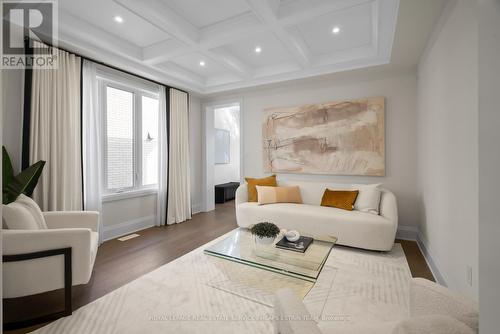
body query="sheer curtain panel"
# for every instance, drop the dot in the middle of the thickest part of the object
(92, 141)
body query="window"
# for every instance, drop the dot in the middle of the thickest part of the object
(130, 135)
(119, 138)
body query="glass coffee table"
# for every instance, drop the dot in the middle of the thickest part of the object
(240, 247)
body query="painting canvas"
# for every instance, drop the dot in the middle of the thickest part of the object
(343, 138)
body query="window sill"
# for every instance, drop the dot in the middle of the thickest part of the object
(129, 194)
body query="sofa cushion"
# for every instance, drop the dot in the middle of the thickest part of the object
(342, 199)
(353, 228)
(271, 195)
(269, 181)
(368, 199)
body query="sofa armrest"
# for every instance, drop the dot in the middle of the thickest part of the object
(291, 316)
(389, 206)
(429, 298)
(44, 274)
(241, 194)
(72, 219)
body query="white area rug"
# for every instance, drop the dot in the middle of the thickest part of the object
(198, 293)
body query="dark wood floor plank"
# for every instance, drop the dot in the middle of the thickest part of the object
(119, 263)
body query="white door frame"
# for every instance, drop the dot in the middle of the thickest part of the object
(209, 146)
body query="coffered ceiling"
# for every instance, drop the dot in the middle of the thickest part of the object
(210, 46)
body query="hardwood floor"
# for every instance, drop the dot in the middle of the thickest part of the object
(118, 262)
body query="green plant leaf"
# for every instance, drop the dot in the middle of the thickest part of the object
(265, 229)
(23, 183)
(32, 175)
(7, 170)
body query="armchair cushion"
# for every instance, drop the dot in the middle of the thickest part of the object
(429, 298)
(33, 208)
(431, 324)
(72, 219)
(23, 214)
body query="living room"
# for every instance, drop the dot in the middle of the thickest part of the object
(250, 166)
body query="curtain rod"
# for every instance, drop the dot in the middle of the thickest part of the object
(26, 38)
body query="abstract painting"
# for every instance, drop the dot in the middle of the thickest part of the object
(343, 138)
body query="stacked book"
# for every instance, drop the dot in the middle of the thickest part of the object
(296, 246)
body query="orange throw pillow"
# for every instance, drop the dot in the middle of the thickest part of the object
(269, 181)
(270, 195)
(342, 199)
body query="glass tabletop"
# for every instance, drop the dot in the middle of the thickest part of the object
(240, 246)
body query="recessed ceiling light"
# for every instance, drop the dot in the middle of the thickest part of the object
(336, 30)
(258, 49)
(202, 63)
(119, 19)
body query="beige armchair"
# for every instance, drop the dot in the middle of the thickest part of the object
(46, 251)
(433, 309)
(77, 230)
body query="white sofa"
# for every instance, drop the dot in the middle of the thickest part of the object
(75, 229)
(432, 309)
(352, 228)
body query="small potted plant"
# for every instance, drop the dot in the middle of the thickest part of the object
(265, 233)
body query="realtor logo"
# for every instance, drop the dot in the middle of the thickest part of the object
(34, 21)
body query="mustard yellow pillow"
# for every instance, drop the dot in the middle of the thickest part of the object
(266, 181)
(270, 195)
(342, 199)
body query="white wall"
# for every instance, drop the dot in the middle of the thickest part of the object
(228, 118)
(399, 88)
(195, 152)
(489, 164)
(448, 146)
(12, 108)
(123, 216)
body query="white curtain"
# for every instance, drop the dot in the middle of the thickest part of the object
(179, 197)
(92, 141)
(161, 205)
(55, 134)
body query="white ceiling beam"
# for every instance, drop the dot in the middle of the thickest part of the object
(109, 55)
(175, 25)
(231, 30)
(181, 72)
(213, 36)
(87, 32)
(80, 36)
(264, 10)
(230, 62)
(164, 51)
(299, 11)
(162, 16)
(274, 5)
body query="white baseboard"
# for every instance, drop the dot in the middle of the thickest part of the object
(134, 225)
(196, 208)
(413, 233)
(431, 263)
(407, 232)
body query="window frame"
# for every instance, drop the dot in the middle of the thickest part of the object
(138, 90)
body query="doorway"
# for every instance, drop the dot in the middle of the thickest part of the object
(222, 152)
